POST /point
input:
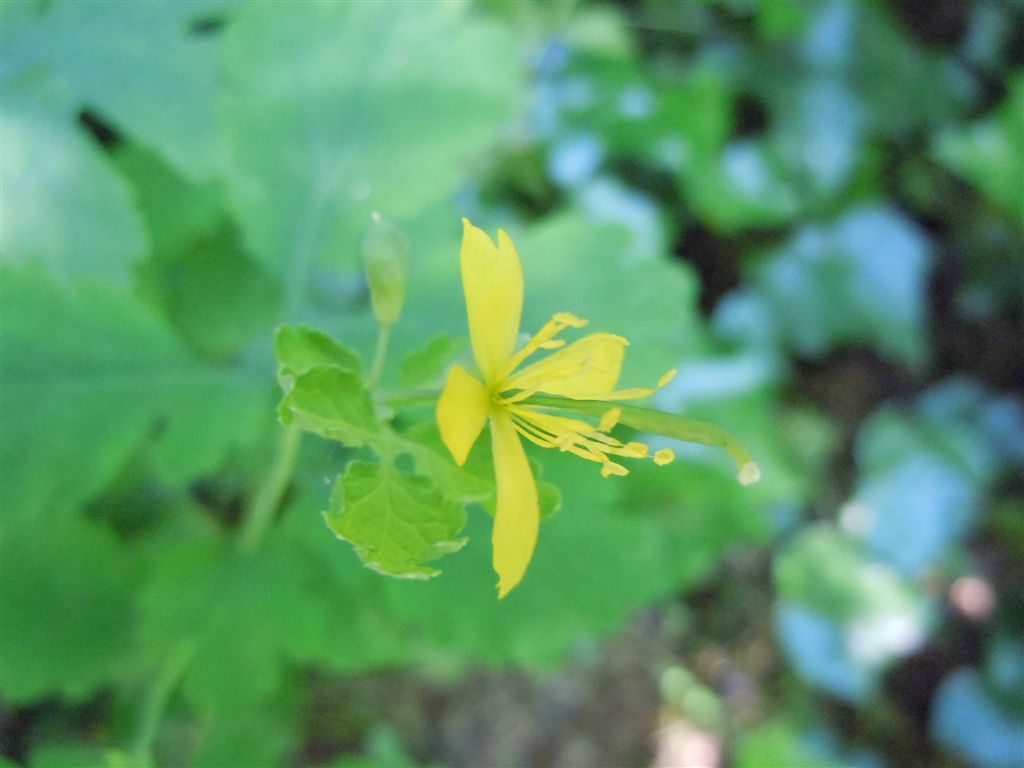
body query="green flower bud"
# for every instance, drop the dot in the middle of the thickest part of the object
(386, 260)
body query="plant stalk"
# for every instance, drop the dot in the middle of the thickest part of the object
(268, 496)
(379, 356)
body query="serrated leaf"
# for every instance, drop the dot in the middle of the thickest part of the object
(332, 403)
(61, 202)
(65, 610)
(299, 349)
(424, 366)
(331, 105)
(398, 523)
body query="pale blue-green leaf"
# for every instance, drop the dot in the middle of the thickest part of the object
(61, 203)
(966, 719)
(140, 67)
(335, 110)
(860, 280)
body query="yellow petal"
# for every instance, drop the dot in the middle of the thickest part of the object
(518, 515)
(492, 279)
(461, 412)
(585, 367)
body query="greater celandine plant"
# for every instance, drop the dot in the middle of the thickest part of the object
(567, 400)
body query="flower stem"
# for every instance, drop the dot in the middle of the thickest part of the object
(155, 703)
(268, 496)
(379, 356)
(411, 397)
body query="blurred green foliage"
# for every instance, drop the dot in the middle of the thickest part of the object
(814, 210)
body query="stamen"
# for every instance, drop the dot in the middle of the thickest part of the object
(524, 393)
(664, 456)
(666, 378)
(636, 450)
(610, 468)
(552, 328)
(570, 320)
(610, 419)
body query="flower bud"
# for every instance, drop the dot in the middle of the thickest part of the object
(386, 260)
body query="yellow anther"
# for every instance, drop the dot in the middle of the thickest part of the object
(610, 419)
(569, 319)
(636, 450)
(666, 378)
(610, 468)
(664, 456)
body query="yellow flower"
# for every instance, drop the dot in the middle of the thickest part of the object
(588, 369)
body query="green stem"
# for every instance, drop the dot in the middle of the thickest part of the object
(268, 496)
(155, 703)
(411, 397)
(379, 356)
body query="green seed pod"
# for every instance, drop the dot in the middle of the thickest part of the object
(386, 260)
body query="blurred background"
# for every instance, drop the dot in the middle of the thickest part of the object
(815, 209)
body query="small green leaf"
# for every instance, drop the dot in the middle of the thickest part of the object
(300, 349)
(396, 522)
(424, 366)
(472, 482)
(332, 403)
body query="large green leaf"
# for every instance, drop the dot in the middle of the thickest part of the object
(240, 616)
(88, 371)
(140, 67)
(61, 202)
(339, 109)
(65, 613)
